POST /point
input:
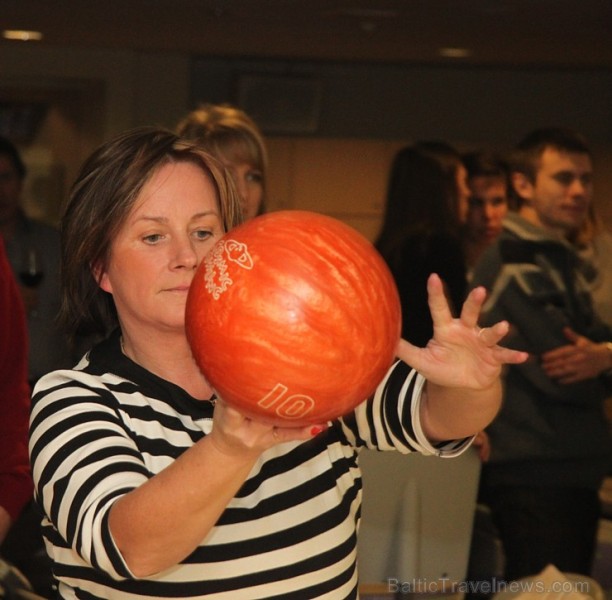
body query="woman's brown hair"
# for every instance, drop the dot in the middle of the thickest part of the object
(101, 198)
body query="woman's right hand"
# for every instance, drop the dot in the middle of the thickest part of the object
(234, 433)
(155, 526)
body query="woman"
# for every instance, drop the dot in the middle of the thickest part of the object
(150, 488)
(233, 137)
(593, 242)
(420, 233)
(454, 171)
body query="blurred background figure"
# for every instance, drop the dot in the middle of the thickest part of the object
(593, 241)
(232, 136)
(451, 163)
(15, 478)
(550, 443)
(425, 206)
(33, 250)
(488, 204)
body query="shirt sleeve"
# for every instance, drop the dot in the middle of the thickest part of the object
(83, 460)
(390, 420)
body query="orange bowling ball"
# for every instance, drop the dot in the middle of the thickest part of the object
(294, 318)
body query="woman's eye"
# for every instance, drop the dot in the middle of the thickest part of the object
(202, 234)
(254, 177)
(152, 238)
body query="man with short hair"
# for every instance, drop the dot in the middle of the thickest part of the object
(550, 445)
(487, 179)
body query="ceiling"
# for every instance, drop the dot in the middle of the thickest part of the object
(497, 32)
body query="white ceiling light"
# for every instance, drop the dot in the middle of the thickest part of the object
(452, 52)
(22, 35)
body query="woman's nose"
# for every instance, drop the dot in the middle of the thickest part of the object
(185, 254)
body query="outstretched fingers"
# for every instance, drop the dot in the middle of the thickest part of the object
(438, 303)
(491, 336)
(470, 312)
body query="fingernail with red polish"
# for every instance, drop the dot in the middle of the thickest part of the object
(317, 429)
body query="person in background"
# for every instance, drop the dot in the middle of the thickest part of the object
(229, 134)
(488, 204)
(426, 210)
(425, 206)
(487, 178)
(153, 487)
(451, 163)
(33, 250)
(455, 173)
(15, 478)
(550, 444)
(593, 241)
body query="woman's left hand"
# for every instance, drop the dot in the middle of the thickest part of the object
(460, 354)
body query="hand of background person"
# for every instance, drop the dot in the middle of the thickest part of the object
(460, 354)
(579, 360)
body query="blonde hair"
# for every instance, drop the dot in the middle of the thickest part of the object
(226, 132)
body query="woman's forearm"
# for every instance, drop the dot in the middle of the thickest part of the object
(453, 413)
(161, 522)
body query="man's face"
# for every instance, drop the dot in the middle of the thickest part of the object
(562, 191)
(10, 189)
(488, 205)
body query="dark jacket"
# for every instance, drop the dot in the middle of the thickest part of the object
(546, 433)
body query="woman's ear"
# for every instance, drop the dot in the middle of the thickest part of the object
(99, 274)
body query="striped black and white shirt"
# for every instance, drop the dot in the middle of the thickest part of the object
(105, 427)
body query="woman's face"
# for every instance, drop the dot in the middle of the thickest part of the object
(174, 222)
(250, 185)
